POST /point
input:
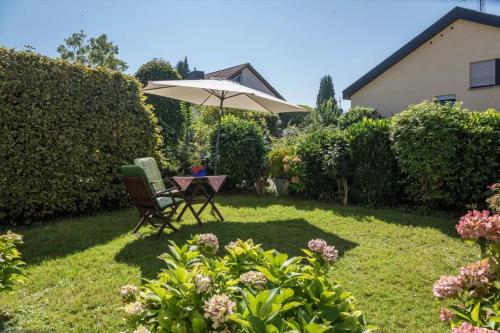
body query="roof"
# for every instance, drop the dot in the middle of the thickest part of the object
(231, 72)
(457, 13)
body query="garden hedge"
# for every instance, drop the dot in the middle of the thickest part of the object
(448, 155)
(242, 149)
(65, 130)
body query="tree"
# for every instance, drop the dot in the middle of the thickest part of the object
(182, 68)
(326, 91)
(173, 116)
(97, 51)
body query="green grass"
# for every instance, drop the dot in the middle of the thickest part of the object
(389, 260)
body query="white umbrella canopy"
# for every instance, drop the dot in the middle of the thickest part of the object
(220, 93)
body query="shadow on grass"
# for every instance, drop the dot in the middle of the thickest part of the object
(446, 225)
(285, 236)
(63, 237)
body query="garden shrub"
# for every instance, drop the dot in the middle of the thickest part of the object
(447, 154)
(174, 117)
(475, 291)
(65, 130)
(274, 158)
(242, 151)
(375, 176)
(357, 114)
(11, 265)
(312, 149)
(246, 290)
(478, 156)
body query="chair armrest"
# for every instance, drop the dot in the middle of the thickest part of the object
(167, 193)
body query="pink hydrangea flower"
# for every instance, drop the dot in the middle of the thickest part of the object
(218, 309)
(316, 245)
(473, 224)
(134, 309)
(254, 279)
(128, 292)
(445, 315)
(447, 286)
(468, 328)
(12, 237)
(295, 179)
(203, 283)
(477, 276)
(494, 187)
(210, 241)
(141, 329)
(330, 254)
(296, 159)
(287, 167)
(493, 228)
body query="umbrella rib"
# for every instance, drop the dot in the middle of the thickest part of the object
(206, 99)
(249, 96)
(234, 95)
(164, 87)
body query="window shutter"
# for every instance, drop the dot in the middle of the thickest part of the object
(482, 73)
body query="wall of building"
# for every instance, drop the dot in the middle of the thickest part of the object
(438, 67)
(249, 79)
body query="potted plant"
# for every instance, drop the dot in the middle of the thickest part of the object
(198, 169)
(276, 167)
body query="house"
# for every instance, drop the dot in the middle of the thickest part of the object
(244, 74)
(455, 59)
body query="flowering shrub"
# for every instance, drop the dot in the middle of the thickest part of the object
(477, 286)
(292, 167)
(247, 290)
(11, 266)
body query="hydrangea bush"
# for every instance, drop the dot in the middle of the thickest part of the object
(11, 265)
(292, 167)
(246, 290)
(476, 288)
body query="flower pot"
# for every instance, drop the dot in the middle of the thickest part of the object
(281, 186)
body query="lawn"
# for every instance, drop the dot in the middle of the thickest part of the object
(389, 260)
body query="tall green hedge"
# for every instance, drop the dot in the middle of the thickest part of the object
(448, 155)
(242, 151)
(65, 130)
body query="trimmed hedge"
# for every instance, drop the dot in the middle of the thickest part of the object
(447, 154)
(65, 130)
(376, 176)
(242, 150)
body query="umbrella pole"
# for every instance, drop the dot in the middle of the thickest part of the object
(217, 158)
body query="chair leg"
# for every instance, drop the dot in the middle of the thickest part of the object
(141, 222)
(167, 223)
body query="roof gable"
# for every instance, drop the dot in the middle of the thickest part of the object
(457, 13)
(231, 72)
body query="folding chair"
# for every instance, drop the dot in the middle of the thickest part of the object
(152, 172)
(151, 204)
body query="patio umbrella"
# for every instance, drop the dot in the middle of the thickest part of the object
(220, 93)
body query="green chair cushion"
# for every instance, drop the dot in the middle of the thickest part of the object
(136, 171)
(152, 172)
(165, 202)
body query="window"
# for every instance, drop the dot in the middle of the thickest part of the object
(485, 73)
(452, 98)
(237, 78)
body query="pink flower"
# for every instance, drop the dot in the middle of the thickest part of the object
(203, 283)
(445, 315)
(218, 309)
(477, 276)
(494, 187)
(296, 159)
(447, 286)
(493, 228)
(295, 179)
(468, 328)
(316, 245)
(254, 279)
(473, 224)
(209, 241)
(330, 254)
(286, 159)
(286, 167)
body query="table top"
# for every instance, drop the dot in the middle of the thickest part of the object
(215, 182)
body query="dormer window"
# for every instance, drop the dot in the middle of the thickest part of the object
(485, 73)
(237, 78)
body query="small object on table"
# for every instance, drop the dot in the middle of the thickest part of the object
(209, 186)
(198, 170)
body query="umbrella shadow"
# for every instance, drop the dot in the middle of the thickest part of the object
(287, 236)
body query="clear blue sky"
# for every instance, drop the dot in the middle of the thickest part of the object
(291, 43)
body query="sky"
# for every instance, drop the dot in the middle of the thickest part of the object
(291, 43)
